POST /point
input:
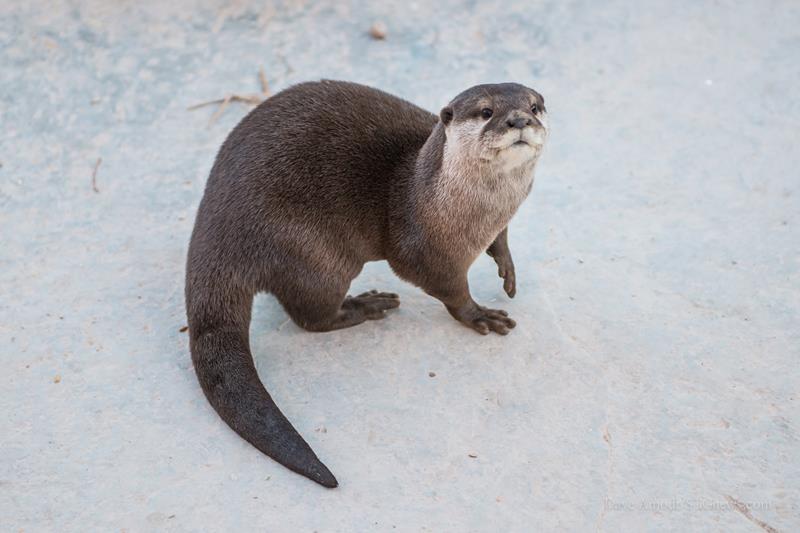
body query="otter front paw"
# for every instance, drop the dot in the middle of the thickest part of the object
(505, 269)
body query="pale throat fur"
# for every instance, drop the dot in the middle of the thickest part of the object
(482, 181)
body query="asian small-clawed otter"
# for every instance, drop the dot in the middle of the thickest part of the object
(325, 176)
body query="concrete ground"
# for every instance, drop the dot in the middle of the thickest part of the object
(651, 384)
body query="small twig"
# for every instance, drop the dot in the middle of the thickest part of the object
(94, 174)
(264, 84)
(252, 99)
(219, 110)
(745, 512)
(203, 104)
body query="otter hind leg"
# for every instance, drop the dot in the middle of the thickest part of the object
(326, 307)
(351, 311)
(372, 304)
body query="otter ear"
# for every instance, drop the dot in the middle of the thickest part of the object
(446, 114)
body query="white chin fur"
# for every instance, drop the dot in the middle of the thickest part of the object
(534, 136)
(516, 156)
(510, 154)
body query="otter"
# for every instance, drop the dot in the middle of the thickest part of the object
(325, 176)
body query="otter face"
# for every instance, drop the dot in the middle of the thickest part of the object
(504, 125)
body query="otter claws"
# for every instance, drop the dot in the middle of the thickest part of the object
(372, 304)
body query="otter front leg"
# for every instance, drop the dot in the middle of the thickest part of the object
(499, 251)
(455, 295)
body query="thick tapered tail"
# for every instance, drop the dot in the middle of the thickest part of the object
(229, 379)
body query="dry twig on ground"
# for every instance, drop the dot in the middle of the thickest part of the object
(251, 99)
(94, 174)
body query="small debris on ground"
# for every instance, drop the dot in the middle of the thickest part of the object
(57, 379)
(184, 329)
(94, 174)
(431, 374)
(378, 31)
(473, 455)
(262, 77)
(251, 99)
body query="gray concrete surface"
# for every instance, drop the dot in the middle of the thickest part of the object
(651, 383)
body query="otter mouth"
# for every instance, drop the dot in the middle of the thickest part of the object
(526, 144)
(530, 137)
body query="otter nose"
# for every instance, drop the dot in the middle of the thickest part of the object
(519, 122)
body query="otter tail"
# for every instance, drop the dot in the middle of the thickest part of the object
(228, 376)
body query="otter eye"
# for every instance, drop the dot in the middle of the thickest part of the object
(486, 113)
(534, 109)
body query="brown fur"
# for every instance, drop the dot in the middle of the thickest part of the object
(326, 176)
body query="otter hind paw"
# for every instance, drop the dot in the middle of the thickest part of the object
(372, 304)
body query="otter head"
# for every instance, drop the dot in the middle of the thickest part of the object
(502, 126)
